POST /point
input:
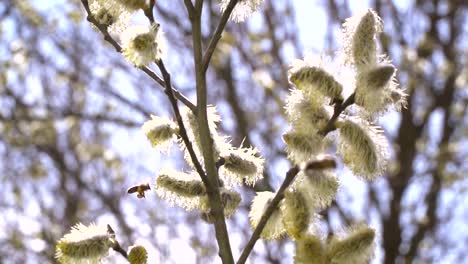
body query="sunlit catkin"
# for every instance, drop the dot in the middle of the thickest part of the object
(363, 147)
(309, 250)
(355, 246)
(274, 228)
(296, 214)
(360, 39)
(84, 244)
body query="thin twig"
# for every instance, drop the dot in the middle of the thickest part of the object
(182, 130)
(115, 244)
(339, 108)
(118, 48)
(321, 163)
(217, 35)
(148, 11)
(272, 206)
(190, 8)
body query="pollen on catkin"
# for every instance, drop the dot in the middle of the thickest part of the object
(242, 10)
(84, 244)
(360, 39)
(296, 214)
(141, 45)
(179, 188)
(355, 246)
(274, 227)
(137, 254)
(309, 250)
(363, 147)
(160, 131)
(242, 164)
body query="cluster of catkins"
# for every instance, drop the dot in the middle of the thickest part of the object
(185, 189)
(141, 44)
(364, 80)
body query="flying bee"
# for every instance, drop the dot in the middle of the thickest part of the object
(139, 189)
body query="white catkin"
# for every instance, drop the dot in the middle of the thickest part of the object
(363, 147)
(274, 228)
(242, 10)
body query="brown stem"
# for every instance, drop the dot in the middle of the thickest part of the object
(217, 35)
(180, 123)
(206, 141)
(272, 206)
(339, 108)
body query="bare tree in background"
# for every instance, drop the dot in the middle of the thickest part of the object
(64, 94)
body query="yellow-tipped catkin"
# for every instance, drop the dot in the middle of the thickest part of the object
(309, 250)
(274, 228)
(84, 244)
(191, 124)
(296, 214)
(141, 45)
(230, 200)
(160, 132)
(137, 255)
(354, 247)
(111, 14)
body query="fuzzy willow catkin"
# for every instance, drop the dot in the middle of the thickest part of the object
(274, 228)
(296, 214)
(356, 247)
(309, 250)
(363, 147)
(137, 255)
(84, 244)
(315, 79)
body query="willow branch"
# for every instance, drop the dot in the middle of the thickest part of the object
(190, 8)
(180, 123)
(207, 144)
(272, 206)
(321, 163)
(148, 11)
(118, 48)
(218, 33)
(115, 244)
(339, 108)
